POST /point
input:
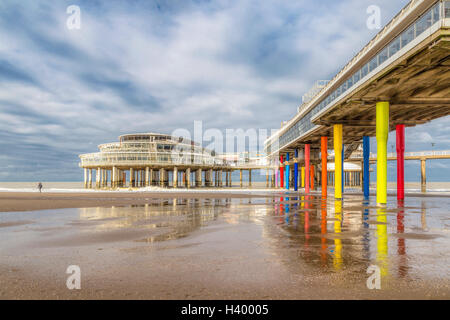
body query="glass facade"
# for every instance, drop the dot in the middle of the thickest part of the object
(424, 22)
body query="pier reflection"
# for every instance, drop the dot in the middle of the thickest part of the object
(347, 235)
(301, 230)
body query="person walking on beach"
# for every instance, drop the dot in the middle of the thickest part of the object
(39, 187)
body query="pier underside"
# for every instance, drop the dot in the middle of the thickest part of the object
(417, 88)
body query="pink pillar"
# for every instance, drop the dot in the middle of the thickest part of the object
(307, 177)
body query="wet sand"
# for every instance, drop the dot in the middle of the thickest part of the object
(27, 201)
(219, 246)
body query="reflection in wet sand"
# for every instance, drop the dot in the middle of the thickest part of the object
(305, 237)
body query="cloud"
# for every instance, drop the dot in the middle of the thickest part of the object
(159, 65)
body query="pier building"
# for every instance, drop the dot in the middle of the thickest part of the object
(154, 159)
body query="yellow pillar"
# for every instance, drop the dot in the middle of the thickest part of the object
(303, 177)
(382, 139)
(337, 139)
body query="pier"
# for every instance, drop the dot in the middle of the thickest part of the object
(154, 159)
(401, 78)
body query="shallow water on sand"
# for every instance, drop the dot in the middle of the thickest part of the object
(238, 244)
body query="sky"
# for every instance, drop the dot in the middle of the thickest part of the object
(158, 66)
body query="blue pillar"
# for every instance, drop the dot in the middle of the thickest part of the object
(287, 172)
(296, 171)
(342, 172)
(366, 173)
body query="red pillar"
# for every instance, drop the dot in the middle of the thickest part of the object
(307, 176)
(400, 131)
(324, 151)
(312, 177)
(281, 172)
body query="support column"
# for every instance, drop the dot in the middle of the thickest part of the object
(188, 177)
(400, 146)
(337, 140)
(90, 178)
(161, 177)
(288, 171)
(198, 178)
(97, 178)
(423, 175)
(313, 176)
(114, 178)
(324, 155)
(342, 169)
(240, 177)
(85, 178)
(150, 182)
(210, 177)
(281, 172)
(366, 166)
(147, 176)
(131, 178)
(307, 168)
(382, 123)
(303, 176)
(175, 177)
(296, 171)
(250, 177)
(267, 178)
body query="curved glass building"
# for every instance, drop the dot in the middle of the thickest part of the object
(146, 159)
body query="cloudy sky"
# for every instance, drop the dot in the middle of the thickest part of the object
(155, 65)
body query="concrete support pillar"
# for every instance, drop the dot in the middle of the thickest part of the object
(90, 178)
(188, 177)
(324, 156)
(175, 177)
(400, 148)
(198, 178)
(150, 176)
(85, 178)
(161, 177)
(281, 172)
(423, 175)
(131, 177)
(382, 129)
(313, 177)
(210, 177)
(114, 178)
(267, 178)
(287, 171)
(230, 179)
(337, 130)
(303, 176)
(307, 167)
(240, 177)
(147, 176)
(220, 178)
(296, 171)
(250, 177)
(366, 166)
(97, 178)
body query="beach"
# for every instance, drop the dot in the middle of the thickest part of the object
(221, 245)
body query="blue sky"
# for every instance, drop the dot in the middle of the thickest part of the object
(142, 66)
